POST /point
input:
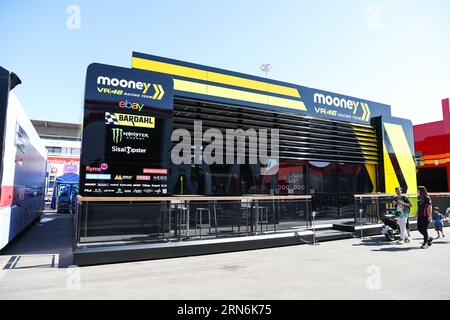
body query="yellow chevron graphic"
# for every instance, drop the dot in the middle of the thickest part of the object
(368, 112)
(155, 96)
(159, 92)
(363, 105)
(356, 108)
(162, 92)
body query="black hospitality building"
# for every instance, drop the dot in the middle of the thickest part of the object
(331, 147)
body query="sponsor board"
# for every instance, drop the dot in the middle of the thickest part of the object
(127, 116)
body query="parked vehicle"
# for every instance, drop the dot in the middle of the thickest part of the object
(23, 160)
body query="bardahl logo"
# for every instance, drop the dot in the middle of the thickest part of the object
(129, 120)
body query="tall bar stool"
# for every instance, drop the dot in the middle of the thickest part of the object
(245, 214)
(181, 219)
(262, 216)
(200, 213)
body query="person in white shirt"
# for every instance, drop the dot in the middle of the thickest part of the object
(403, 206)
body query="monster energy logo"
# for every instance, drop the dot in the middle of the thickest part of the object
(117, 135)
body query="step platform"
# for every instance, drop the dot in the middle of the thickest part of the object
(84, 255)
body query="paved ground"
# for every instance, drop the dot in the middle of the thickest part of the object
(345, 269)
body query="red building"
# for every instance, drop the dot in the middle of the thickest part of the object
(432, 145)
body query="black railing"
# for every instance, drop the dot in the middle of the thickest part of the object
(188, 217)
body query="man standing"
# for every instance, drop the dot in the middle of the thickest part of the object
(403, 206)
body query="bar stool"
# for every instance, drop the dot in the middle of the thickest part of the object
(244, 215)
(199, 220)
(210, 210)
(181, 220)
(262, 216)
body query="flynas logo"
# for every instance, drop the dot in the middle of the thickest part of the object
(117, 135)
(102, 167)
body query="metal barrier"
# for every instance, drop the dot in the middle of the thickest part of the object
(369, 208)
(162, 219)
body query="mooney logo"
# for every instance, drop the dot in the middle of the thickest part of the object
(123, 83)
(343, 103)
(131, 84)
(117, 135)
(129, 120)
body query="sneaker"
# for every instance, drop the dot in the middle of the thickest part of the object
(443, 235)
(430, 240)
(424, 246)
(400, 241)
(407, 241)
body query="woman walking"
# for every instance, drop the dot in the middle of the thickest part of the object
(424, 216)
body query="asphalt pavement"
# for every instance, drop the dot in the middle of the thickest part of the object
(38, 266)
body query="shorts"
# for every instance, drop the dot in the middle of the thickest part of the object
(438, 228)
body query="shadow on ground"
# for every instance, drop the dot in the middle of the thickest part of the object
(393, 246)
(45, 244)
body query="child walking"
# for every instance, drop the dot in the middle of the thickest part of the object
(438, 219)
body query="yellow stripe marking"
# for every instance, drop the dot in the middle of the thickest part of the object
(200, 88)
(372, 174)
(403, 154)
(188, 72)
(390, 178)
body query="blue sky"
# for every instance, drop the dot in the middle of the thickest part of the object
(394, 52)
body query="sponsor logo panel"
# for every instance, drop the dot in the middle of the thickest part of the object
(154, 171)
(129, 120)
(92, 176)
(102, 167)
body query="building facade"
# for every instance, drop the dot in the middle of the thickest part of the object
(63, 143)
(331, 146)
(432, 145)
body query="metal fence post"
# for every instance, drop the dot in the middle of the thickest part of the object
(360, 221)
(313, 227)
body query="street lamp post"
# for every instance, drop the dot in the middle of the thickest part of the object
(266, 68)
